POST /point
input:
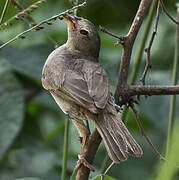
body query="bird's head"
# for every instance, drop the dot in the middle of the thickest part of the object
(82, 35)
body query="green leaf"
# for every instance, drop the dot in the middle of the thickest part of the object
(12, 107)
(169, 168)
(28, 61)
(105, 178)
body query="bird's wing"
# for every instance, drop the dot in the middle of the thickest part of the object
(76, 87)
(97, 82)
(89, 86)
(85, 82)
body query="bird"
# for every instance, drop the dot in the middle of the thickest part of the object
(80, 86)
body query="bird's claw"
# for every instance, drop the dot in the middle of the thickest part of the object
(118, 108)
(83, 161)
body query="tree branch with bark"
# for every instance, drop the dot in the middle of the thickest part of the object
(124, 93)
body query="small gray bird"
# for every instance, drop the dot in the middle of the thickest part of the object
(80, 87)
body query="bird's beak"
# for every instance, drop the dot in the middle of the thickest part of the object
(71, 21)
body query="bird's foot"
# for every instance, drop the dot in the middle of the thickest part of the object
(83, 161)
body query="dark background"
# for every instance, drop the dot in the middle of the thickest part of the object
(31, 124)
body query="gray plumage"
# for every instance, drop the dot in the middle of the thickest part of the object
(80, 86)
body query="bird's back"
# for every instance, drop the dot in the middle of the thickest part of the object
(74, 74)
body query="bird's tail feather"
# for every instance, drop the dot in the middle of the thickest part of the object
(117, 139)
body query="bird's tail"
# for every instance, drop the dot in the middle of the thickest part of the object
(117, 139)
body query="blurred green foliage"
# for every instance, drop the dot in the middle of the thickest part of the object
(31, 124)
(167, 170)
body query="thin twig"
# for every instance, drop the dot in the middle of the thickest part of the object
(167, 13)
(20, 9)
(31, 20)
(17, 5)
(104, 174)
(143, 132)
(75, 3)
(120, 40)
(138, 57)
(23, 13)
(4, 11)
(147, 50)
(41, 23)
(105, 164)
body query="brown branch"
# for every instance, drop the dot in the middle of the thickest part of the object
(124, 93)
(120, 40)
(143, 132)
(90, 150)
(128, 92)
(167, 13)
(95, 139)
(128, 46)
(147, 50)
(152, 90)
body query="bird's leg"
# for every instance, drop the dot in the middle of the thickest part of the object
(84, 133)
(81, 156)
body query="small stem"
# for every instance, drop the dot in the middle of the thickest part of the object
(29, 18)
(108, 168)
(4, 11)
(173, 98)
(144, 134)
(76, 10)
(119, 39)
(105, 164)
(148, 49)
(167, 13)
(22, 13)
(21, 9)
(42, 22)
(65, 149)
(143, 41)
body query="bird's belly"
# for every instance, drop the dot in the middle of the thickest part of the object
(63, 104)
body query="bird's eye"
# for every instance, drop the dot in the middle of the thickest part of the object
(84, 32)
